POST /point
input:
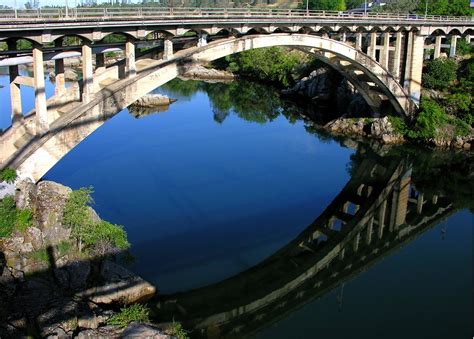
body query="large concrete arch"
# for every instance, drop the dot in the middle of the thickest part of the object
(35, 160)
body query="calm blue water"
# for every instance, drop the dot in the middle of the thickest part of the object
(227, 176)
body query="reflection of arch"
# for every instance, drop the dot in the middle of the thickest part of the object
(282, 30)
(257, 30)
(339, 244)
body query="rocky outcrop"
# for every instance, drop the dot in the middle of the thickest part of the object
(198, 71)
(134, 330)
(377, 128)
(54, 286)
(153, 100)
(318, 85)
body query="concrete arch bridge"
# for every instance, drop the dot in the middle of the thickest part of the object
(381, 56)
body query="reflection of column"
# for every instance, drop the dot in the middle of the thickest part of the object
(368, 234)
(15, 90)
(87, 73)
(359, 41)
(385, 52)
(381, 218)
(42, 121)
(372, 45)
(130, 67)
(437, 49)
(342, 254)
(452, 47)
(167, 49)
(356, 242)
(434, 200)
(60, 85)
(419, 203)
(397, 56)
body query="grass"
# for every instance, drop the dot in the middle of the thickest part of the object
(176, 330)
(135, 312)
(40, 255)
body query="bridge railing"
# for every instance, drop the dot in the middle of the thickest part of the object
(122, 13)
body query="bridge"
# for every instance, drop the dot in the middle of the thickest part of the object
(380, 54)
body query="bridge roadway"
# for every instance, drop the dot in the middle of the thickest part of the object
(381, 55)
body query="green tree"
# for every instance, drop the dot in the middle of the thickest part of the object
(439, 73)
(326, 5)
(76, 214)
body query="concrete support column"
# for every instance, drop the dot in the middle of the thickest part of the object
(42, 121)
(60, 82)
(372, 45)
(130, 66)
(344, 37)
(385, 52)
(415, 67)
(100, 62)
(397, 55)
(359, 41)
(202, 40)
(468, 38)
(87, 73)
(437, 49)
(452, 47)
(15, 90)
(167, 49)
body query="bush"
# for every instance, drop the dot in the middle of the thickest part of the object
(398, 124)
(7, 216)
(8, 175)
(24, 220)
(430, 118)
(40, 255)
(104, 233)
(136, 312)
(13, 219)
(464, 48)
(76, 213)
(439, 74)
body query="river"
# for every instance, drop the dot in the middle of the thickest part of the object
(231, 173)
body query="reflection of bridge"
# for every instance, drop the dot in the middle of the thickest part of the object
(381, 55)
(377, 212)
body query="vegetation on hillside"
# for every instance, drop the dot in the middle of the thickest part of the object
(96, 237)
(13, 219)
(128, 314)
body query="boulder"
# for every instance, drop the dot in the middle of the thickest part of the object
(119, 285)
(198, 71)
(380, 127)
(34, 236)
(153, 100)
(25, 196)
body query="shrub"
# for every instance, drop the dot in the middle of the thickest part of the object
(7, 216)
(430, 118)
(398, 124)
(8, 175)
(439, 74)
(24, 220)
(464, 48)
(136, 312)
(103, 233)
(40, 255)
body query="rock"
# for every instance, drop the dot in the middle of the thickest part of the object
(153, 100)
(25, 196)
(69, 75)
(198, 71)
(120, 285)
(136, 330)
(34, 236)
(51, 198)
(6, 189)
(380, 127)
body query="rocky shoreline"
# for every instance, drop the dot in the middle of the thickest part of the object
(49, 289)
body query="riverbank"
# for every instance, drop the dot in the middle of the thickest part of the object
(45, 276)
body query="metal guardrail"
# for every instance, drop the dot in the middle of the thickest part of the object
(163, 13)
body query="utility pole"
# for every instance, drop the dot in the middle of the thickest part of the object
(307, 7)
(67, 10)
(365, 8)
(426, 8)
